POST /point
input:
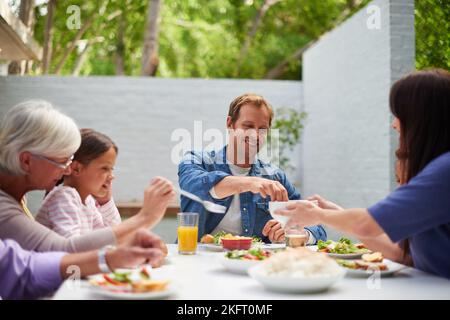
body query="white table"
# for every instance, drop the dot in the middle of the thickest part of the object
(201, 276)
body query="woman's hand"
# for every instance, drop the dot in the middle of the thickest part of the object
(274, 231)
(324, 203)
(302, 213)
(145, 247)
(157, 197)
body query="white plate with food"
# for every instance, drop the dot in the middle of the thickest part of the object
(212, 247)
(342, 249)
(370, 264)
(270, 246)
(239, 261)
(130, 284)
(297, 271)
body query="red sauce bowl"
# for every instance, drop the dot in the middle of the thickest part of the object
(237, 244)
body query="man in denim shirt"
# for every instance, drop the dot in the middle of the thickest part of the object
(235, 178)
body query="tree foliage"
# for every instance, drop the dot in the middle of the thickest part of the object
(205, 38)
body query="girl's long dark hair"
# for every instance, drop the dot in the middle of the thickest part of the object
(421, 102)
(93, 145)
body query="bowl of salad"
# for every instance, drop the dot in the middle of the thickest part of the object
(342, 249)
(239, 261)
(222, 240)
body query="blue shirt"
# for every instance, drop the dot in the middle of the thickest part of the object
(420, 211)
(198, 172)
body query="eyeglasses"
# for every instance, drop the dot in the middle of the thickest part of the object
(63, 166)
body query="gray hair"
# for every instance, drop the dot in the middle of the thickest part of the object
(35, 126)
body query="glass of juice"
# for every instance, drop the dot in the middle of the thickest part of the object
(187, 232)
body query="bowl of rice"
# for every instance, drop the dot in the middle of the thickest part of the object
(298, 270)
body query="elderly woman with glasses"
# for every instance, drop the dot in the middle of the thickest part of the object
(37, 144)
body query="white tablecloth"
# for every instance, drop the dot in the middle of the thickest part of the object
(201, 276)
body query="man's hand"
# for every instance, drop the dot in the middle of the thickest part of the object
(266, 187)
(274, 231)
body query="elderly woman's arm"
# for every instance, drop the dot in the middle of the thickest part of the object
(27, 274)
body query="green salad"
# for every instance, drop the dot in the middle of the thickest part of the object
(252, 254)
(343, 246)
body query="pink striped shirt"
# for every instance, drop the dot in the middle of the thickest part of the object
(64, 212)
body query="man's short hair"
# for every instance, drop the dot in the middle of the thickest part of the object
(248, 98)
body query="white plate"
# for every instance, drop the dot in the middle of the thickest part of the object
(212, 247)
(270, 246)
(392, 267)
(130, 295)
(346, 256)
(238, 266)
(294, 285)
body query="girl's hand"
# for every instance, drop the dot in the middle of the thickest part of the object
(157, 197)
(302, 213)
(324, 203)
(106, 197)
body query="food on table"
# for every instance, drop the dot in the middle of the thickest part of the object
(217, 238)
(300, 263)
(237, 243)
(373, 261)
(252, 254)
(373, 257)
(150, 285)
(126, 280)
(207, 238)
(343, 246)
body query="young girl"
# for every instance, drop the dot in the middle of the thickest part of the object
(83, 202)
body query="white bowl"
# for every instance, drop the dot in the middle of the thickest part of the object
(238, 266)
(277, 205)
(295, 285)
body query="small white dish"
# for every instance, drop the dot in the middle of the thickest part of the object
(281, 205)
(392, 268)
(287, 284)
(270, 246)
(238, 266)
(212, 247)
(346, 255)
(117, 293)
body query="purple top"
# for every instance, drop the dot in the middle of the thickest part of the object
(420, 211)
(26, 274)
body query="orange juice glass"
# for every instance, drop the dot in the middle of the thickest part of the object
(187, 232)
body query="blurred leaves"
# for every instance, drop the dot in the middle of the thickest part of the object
(432, 24)
(203, 38)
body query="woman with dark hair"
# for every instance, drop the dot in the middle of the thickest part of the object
(412, 224)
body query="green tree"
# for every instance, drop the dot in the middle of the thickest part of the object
(432, 25)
